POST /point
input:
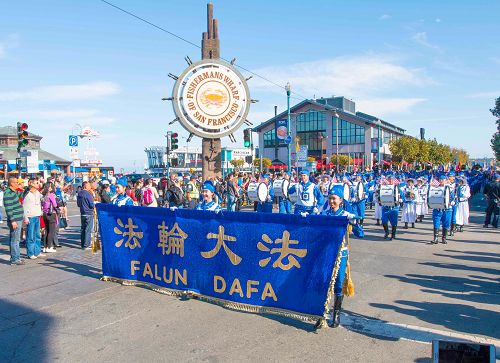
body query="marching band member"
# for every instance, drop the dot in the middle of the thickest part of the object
(309, 196)
(409, 204)
(334, 209)
(421, 208)
(378, 206)
(370, 186)
(267, 206)
(208, 203)
(358, 206)
(324, 185)
(121, 198)
(442, 217)
(390, 214)
(285, 205)
(463, 192)
(453, 186)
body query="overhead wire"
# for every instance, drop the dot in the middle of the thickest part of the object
(199, 47)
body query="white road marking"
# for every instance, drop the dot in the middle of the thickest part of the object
(408, 332)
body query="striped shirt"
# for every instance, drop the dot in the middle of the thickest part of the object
(13, 207)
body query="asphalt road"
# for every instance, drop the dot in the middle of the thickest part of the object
(407, 293)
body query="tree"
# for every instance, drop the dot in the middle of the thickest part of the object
(495, 140)
(439, 153)
(237, 163)
(403, 149)
(266, 162)
(423, 151)
(460, 155)
(344, 160)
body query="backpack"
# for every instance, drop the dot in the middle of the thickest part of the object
(147, 196)
(177, 196)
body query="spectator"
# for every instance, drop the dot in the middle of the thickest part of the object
(193, 193)
(15, 216)
(85, 201)
(231, 193)
(1, 202)
(174, 195)
(50, 210)
(106, 193)
(32, 204)
(149, 194)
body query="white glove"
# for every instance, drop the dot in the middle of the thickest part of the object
(304, 214)
(452, 203)
(173, 209)
(315, 210)
(217, 211)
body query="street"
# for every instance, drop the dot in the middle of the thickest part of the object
(407, 293)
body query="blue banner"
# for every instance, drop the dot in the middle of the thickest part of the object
(257, 262)
(281, 131)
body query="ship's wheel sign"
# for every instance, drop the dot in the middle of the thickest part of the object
(211, 99)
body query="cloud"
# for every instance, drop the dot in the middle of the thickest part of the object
(421, 38)
(495, 60)
(387, 106)
(488, 94)
(10, 41)
(384, 17)
(348, 76)
(438, 20)
(83, 91)
(84, 117)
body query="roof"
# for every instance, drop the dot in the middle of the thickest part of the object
(11, 154)
(12, 131)
(364, 117)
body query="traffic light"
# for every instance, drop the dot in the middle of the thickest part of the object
(174, 141)
(247, 137)
(22, 135)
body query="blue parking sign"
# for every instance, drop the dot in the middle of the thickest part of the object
(73, 140)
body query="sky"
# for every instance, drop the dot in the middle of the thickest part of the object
(415, 64)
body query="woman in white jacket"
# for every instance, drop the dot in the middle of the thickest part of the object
(463, 195)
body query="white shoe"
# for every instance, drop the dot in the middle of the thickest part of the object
(50, 250)
(33, 257)
(44, 250)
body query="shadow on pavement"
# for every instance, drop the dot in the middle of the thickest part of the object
(23, 333)
(74, 267)
(457, 317)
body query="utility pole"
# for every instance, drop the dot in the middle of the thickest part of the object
(210, 49)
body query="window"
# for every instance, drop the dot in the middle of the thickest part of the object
(349, 133)
(270, 138)
(311, 121)
(387, 137)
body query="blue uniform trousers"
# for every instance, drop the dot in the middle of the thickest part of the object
(441, 217)
(339, 281)
(266, 207)
(390, 214)
(454, 214)
(285, 206)
(359, 208)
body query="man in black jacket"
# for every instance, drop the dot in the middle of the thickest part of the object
(492, 193)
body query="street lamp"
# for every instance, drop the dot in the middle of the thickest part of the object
(336, 115)
(288, 93)
(379, 123)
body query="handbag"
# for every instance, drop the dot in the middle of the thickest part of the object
(63, 222)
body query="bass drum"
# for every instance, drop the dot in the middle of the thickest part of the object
(257, 192)
(389, 195)
(293, 197)
(359, 191)
(439, 197)
(280, 187)
(345, 187)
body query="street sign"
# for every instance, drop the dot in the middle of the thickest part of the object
(24, 153)
(288, 140)
(73, 140)
(32, 162)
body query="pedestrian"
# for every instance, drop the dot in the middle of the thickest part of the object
(85, 202)
(105, 192)
(174, 195)
(1, 202)
(149, 194)
(231, 193)
(492, 194)
(50, 211)
(15, 216)
(32, 204)
(193, 193)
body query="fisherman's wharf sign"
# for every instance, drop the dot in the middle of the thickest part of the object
(211, 99)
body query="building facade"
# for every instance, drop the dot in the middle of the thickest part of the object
(47, 162)
(328, 126)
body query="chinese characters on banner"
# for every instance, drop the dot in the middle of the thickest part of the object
(266, 262)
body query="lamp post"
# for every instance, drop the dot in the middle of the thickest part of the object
(288, 93)
(379, 123)
(75, 126)
(336, 115)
